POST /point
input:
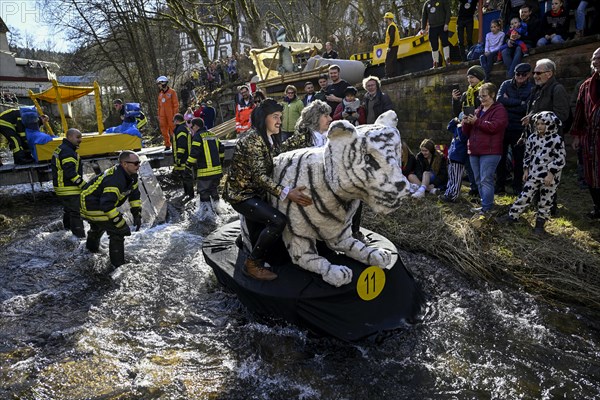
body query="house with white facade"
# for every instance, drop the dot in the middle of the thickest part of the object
(223, 49)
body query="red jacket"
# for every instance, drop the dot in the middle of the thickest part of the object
(242, 117)
(359, 120)
(487, 133)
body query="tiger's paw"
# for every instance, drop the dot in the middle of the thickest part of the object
(381, 258)
(337, 275)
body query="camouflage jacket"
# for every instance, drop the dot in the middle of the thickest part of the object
(250, 174)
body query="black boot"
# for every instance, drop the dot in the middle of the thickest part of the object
(77, 226)
(66, 221)
(188, 188)
(463, 53)
(93, 240)
(116, 251)
(539, 226)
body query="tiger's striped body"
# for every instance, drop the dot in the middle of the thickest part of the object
(357, 164)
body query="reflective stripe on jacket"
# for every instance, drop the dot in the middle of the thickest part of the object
(242, 117)
(67, 170)
(102, 195)
(182, 145)
(206, 155)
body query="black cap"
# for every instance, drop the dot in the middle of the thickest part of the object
(523, 67)
(350, 89)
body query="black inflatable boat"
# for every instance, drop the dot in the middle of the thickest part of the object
(376, 300)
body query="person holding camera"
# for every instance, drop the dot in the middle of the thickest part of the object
(350, 108)
(466, 103)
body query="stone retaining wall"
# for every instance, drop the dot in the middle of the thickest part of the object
(423, 100)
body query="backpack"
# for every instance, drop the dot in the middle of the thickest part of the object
(475, 52)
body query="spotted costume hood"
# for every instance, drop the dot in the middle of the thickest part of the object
(550, 119)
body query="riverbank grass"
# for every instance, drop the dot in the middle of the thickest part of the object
(562, 265)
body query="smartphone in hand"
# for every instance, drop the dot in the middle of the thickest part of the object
(469, 110)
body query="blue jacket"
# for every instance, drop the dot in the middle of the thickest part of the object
(34, 136)
(129, 128)
(515, 103)
(457, 152)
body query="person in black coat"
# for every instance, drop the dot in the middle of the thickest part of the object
(375, 102)
(513, 95)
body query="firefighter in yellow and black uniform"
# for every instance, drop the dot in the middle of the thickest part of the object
(99, 201)
(206, 157)
(13, 130)
(67, 178)
(182, 144)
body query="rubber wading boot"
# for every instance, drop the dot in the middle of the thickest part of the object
(77, 227)
(188, 188)
(66, 221)
(254, 269)
(116, 251)
(93, 241)
(539, 226)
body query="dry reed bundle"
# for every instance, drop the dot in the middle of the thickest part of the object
(561, 265)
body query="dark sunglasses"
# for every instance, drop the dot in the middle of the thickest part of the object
(136, 163)
(257, 101)
(539, 72)
(521, 73)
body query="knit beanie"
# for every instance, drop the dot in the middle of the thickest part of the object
(477, 71)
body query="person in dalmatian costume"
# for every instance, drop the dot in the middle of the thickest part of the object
(545, 157)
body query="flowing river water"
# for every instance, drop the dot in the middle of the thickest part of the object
(161, 327)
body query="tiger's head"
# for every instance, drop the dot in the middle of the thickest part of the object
(364, 163)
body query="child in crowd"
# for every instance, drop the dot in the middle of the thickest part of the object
(518, 30)
(493, 41)
(545, 157)
(431, 169)
(457, 156)
(555, 25)
(350, 108)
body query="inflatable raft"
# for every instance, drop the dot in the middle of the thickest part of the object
(376, 300)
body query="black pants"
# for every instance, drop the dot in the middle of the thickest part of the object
(116, 240)
(464, 45)
(71, 217)
(435, 34)
(391, 62)
(265, 224)
(208, 188)
(511, 137)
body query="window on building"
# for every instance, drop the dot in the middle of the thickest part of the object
(244, 30)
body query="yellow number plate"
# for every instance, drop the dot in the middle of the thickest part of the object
(370, 283)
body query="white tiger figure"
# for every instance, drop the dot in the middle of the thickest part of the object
(356, 164)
